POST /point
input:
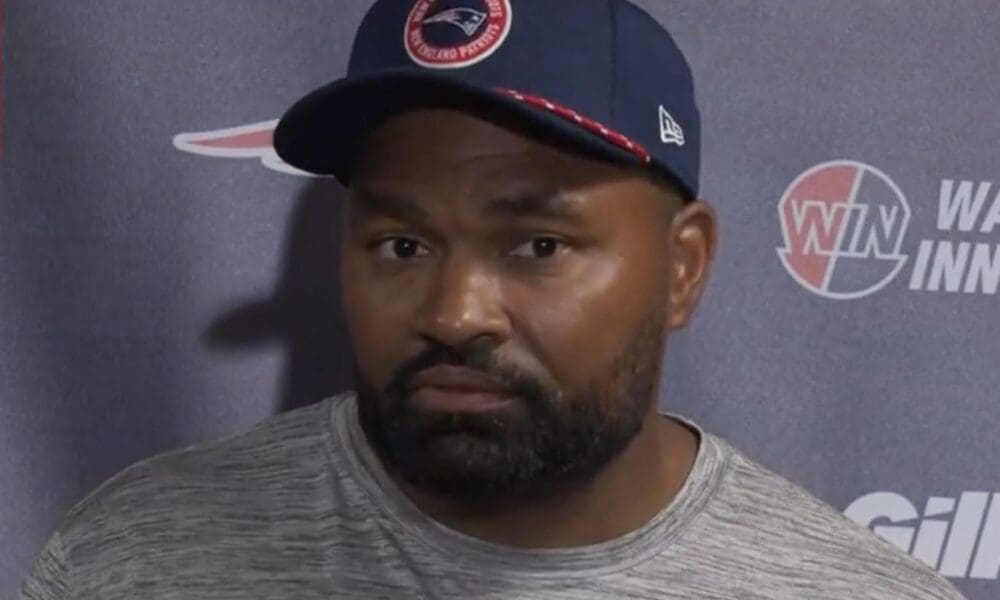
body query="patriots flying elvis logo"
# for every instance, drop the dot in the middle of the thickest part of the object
(469, 20)
(453, 34)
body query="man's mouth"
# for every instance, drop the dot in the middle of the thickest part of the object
(453, 389)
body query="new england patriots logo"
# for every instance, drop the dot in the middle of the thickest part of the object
(453, 34)
(467, 19)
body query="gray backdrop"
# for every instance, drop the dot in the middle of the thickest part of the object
(152, 297)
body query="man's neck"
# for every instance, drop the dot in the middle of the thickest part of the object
(625, 495)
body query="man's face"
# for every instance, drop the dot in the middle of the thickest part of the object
(507, 303)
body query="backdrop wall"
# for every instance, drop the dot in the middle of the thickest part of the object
(160, 285)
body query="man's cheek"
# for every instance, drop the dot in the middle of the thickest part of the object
(570, 343)
(373, 345)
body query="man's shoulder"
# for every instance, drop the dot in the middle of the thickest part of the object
(181, 484)
(193, 513)
(784, 527)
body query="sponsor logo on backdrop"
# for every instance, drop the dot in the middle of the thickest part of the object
(844, 225)
(959, 537)
(451, 34)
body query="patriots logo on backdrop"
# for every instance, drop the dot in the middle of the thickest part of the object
(246, 141)
(468, 20)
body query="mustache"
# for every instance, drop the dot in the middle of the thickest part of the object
(476, 356)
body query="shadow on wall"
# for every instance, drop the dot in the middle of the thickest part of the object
(304, 311)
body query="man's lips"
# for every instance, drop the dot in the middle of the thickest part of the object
(455, 389)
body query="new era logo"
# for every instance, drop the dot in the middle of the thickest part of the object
(670, 131)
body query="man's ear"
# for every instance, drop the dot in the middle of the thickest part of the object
(693, 239)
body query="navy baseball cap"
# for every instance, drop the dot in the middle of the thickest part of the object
(600, 75)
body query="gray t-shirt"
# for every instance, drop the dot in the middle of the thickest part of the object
(299, 508)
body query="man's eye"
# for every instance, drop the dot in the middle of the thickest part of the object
(399, 248)
(539, 247)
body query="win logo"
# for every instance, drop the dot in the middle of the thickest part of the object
(843, 224)
(958, 538)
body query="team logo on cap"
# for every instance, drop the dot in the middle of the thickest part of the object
(451, 34)
(843, 223)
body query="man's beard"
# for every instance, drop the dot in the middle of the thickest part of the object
(544, 442)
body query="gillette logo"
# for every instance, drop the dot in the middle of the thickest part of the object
(960, 538)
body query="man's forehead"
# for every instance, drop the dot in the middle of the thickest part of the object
(491, 174)
(445, 156)
(539, 203)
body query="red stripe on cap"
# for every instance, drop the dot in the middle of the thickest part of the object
(616, 138)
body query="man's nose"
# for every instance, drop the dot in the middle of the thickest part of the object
(464, 303)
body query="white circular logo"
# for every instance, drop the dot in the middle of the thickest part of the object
(843, 223)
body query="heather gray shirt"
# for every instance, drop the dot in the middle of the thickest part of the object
(299, 508)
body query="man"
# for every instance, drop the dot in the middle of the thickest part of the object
(521, 234)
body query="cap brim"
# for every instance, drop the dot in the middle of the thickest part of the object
(323, 132)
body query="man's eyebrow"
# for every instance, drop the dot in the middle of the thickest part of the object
(543, 206)
(369, 203)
